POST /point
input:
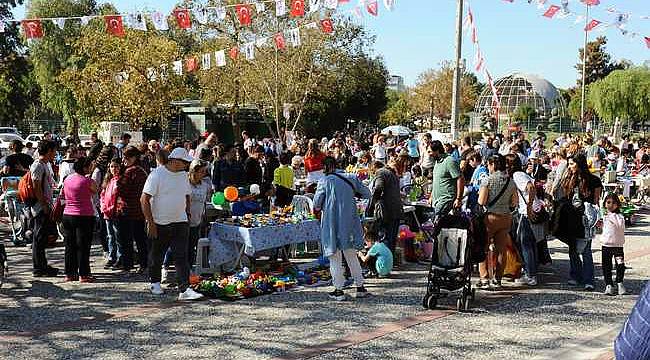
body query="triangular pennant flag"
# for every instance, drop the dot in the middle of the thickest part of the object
(647, 41)
(136, 21)
(565, 9)
(114, 25)
(312, 25)
(191, 64)
(151, 74)
(85, 20)
(220, 11)
(201, 15)
(592, 24)
(206, 61)
(233, 53)
(178, 67)
(220, 58)
(259, 42)
(249, 50)
(331, 4)
(357, 12)
(591, 2)
(389, 4)
(469, 20)
(280, 8)
(59, 22)
(159, 21)
(314, 5)
(552, 10)
(297, 8)
(344, 1)
(294, 37)
(540, 4)
(327, 26)
(260, 7)
(478, 60)
(183, 18)
(474, 35)
(373, 8)
(33, 28)
(279, 41)
(244, 14)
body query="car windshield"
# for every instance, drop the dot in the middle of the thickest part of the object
(9, 137)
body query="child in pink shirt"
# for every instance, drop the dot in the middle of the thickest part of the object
(613, 239)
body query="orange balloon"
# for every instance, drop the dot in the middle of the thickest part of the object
(231, 193)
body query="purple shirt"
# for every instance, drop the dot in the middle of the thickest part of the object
(78, 196)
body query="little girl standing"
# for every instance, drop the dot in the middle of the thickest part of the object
(612, 239)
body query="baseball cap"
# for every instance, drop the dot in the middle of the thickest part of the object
(180, 154)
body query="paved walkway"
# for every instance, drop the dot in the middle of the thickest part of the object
(117, 318)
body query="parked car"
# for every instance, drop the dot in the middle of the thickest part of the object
(34, 139)
(8, 130)
(7, 138)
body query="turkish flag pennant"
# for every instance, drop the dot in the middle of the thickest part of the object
(647, 41)
(244, 14)
(344, 1)
(114, 25)
(33, 29)
(297, 8)
(591, 2)
(191, 64)
(183, 18)
(327, 26)
(552, 10)
(233, 53)
(279, 41)
(592, 24)
(373, 8)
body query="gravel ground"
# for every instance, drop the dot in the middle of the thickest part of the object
(117, 319)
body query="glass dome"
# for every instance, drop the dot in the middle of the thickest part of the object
(517, 89)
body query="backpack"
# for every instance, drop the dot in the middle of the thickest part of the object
(26, 193)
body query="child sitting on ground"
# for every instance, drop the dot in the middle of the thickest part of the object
(377, 258)
(613, 239)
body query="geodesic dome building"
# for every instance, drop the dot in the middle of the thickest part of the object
(517, 89)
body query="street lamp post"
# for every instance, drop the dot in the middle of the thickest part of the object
(455, 105)
(584, 70)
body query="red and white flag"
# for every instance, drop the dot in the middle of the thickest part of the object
(233, 53)
(327, 26)
(591, 2)
(244, 14)
(479, 61)
(191, 64)
(373, 8)
(279, 41)
(297, 8)
(552, 10)
(647, 41)
(114, 25)
(183, 18)
(592, 24)
(33, 29)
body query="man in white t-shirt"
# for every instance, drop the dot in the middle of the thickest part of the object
(166, 207)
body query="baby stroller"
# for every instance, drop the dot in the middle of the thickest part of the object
(450, 271)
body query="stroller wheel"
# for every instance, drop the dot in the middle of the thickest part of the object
(429, 302)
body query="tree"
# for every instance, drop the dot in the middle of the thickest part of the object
(54, 53)
(17, 90)
(524, 113)
(599, 62)
(623, 93)
(433, 92)
(398, 110)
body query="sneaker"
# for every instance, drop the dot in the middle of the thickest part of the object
(156, 289)
(109, 264)
(107, 256)
(621, 289)
(337, 295)
(532, 281)
(523, 280)
(361, 292)
(589, 287)
(86, 279)
(609, 290)
(496, 285)
(164, 275)
(189, 294)
(572, 282)
(70, 278)
(483, 283)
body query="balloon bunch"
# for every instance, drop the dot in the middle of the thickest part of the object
(230, 194)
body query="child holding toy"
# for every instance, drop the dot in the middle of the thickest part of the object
(613, 239)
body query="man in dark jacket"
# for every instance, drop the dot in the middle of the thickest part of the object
(253, 167)
(228, 171)
(386, 195)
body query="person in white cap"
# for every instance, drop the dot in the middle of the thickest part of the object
(166, 207)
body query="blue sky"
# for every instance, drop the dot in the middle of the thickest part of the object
(419, 34)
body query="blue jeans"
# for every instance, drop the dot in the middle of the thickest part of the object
(582, 270)
(112, 240)
(527, 245)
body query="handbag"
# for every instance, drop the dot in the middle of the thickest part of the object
(57, 210)
(535, 217)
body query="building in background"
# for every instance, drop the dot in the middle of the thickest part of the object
(396, 82)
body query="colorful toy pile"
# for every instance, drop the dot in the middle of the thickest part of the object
(273, 219)
(247, 285)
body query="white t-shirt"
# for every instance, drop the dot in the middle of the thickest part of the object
(168, 191)
(199, 196)
(521, 180)
(380, 152)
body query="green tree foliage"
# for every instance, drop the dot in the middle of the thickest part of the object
(17, 89)
(524, 113)
(599, 62)
(398, 111)
(624, 94)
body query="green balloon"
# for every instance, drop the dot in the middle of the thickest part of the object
(218, 198)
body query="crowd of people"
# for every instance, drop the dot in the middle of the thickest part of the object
(145, 203)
